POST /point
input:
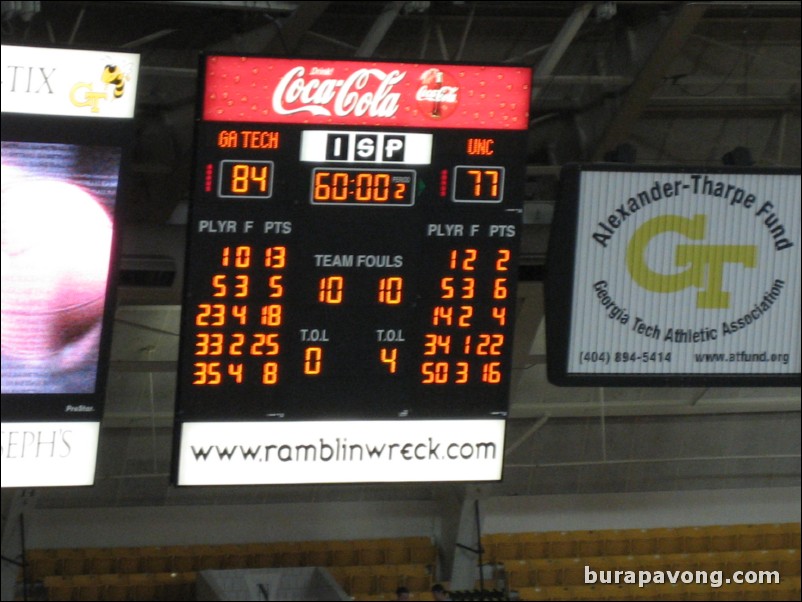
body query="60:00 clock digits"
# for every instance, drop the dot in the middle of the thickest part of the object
(363, 187)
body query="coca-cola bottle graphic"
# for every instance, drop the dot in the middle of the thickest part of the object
(438, 94)
(438, 84)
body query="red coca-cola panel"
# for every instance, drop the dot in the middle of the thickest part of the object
(260, 90)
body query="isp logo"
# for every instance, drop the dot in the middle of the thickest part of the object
(374, 148)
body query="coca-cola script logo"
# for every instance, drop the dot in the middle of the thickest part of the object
(363, 92)
(438, 95)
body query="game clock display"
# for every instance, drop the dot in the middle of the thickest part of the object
(354, 266)
(360, 186)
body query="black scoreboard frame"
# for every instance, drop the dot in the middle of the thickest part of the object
(345, 254)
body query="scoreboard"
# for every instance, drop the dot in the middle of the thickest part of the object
(351, 271)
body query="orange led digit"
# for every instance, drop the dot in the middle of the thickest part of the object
(218, 283)
(330, 290)
(442, 315)
(275, 287)
(211, 314)
(237, 343)
(199, 373)
(435, 344)
(500, 315)
(269, 373)
(201, 319)
(389, 356)
(207, 373)
(500, 288)
(400, 192)
(490, 179)
(240, 313)
(276, 257)
(465, 315)
(497, 345)
(321, 190)
(271, 315)
(265, 344)
(381, 188)
(461, 373)
(215, 376)
(434, 373)
(313, 360)
(216, 344)
(245, 179)
(491, 373)
(202, 344)
(364, 185)
(468, 288)
(239, 178)
(237, 371)
(466, 263)
(242, 285)
(339, 186)
(503, 260)
(242, 257)
(489, 344)
(390, 290)
(447, 288)
(478, 184)
(476, 176)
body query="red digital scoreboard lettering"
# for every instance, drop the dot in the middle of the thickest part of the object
(353, 242)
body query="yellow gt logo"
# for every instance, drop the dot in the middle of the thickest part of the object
(704, 263)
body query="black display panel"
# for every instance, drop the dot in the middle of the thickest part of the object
(373, 296)
(54, 282)
(363, 272)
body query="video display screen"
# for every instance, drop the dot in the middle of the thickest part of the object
(58, 204)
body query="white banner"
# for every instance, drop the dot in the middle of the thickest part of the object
(74, 83)
(686, 273)
(242, 453)
(49, 454)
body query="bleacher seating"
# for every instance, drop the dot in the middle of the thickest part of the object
(551, 565)
(534, 566)
(362, 567)
(618, 542)
(121, 586)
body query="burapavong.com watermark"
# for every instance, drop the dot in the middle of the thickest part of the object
(643, 578)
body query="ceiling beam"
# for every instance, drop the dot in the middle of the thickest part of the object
(277, 37)
(560, 44)
(650, 77)
(380, 28)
